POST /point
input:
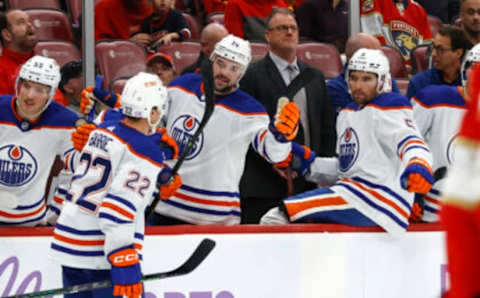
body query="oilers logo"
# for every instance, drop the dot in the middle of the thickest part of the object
(17, 165)
(182, 131)
(451, 149)
(348, 147)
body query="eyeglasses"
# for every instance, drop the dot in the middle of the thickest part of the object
(439, 49)
(284, 28)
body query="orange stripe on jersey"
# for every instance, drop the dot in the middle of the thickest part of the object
(78, 242)
(10, 215)
(138, 246)
(262, 135)
(294, 208)
(58, 200)
(205, 201)
(388, 108)
(432, 200)
(238, 112)
(414, 141)
(118, 209)
(380, 198)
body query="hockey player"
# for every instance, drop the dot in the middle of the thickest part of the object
(212, 170)
(99, 233)
(437, 111)
(33, 131)
(460, 213)
(382, 159)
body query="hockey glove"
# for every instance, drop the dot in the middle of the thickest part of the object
(126, 273)
(298, 160)
(171, 144)
(169, 184)
(417, 176)
(91, 94)
(416, 214)
(80, 136)
(285, 125)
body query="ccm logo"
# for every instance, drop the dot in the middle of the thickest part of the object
(125, 258)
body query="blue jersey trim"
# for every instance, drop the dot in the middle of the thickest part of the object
(95, 253)
(385, 189)
(209, 192)
(440, 95)
(78, 232)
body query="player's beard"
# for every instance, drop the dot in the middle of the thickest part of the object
(226, 89)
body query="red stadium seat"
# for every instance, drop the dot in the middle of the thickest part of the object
(183, 53)
(403, 85)
(51, 24)
(118, 84)
(323, 56)
(119, 58)
(21, 4)
(259, 50)
(216, 17)
(61, 51)
(435, 24)
(397, 63)
(193, 25)
(420, 56)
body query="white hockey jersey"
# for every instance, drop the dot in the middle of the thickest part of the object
(27, 153)
(438, 110)
(374, 145)
(212, 170)
(104, 208)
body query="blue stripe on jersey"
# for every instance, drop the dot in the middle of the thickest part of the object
(434, 191)
(42, 215)
(440, 95)
(265, 154)
(385, 189)
(255, 142)
(373, 205)
(65, 193)
(391, 100)
(140, 143)
(95, 253)
(190, 82)
(78, 232)
(32, 205)
(113, 115)
(113, 218)
(54, 209)
(139, 236)
(416, 146)
(201, 210)
(351, 217)
(122, 201)
(209, 192)
(430, 209)
(400, 144)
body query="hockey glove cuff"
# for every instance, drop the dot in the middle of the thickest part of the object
(417, 176)
(171, 144)
(126, 274)
(81, 135)
(302, 159)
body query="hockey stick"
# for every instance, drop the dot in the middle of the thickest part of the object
(197, 257)
(207, 74)
(300, 81)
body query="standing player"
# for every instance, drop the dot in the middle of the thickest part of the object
(33, 131)
(99, 233)
(460, 213)
(437, 111)
(382, 157)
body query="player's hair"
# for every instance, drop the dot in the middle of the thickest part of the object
(4, 22)
(70, 70)
(275, 11)
(458, 39)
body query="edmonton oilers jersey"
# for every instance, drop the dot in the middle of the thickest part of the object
(27, 153)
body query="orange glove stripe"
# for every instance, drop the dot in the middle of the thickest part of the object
(169, 190)
(124, 258)
(284, 163)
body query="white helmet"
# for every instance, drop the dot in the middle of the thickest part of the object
(472, 56)
(41, 70)
(235, 49)
(373, 61)
(141, 94)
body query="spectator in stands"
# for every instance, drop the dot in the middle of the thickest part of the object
(262, 187)
(448, 48)
(337, 87)
(162, 65)
(402, 24)
(247, 18)
(163, 26)
(324, 21)
(119, 19)
(470, 18)
(211, 34)
(445, 10)
(18, 39)
(70, 88)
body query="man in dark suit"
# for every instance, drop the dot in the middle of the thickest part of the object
(262, 186)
